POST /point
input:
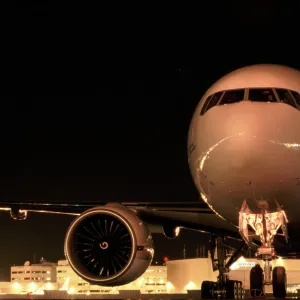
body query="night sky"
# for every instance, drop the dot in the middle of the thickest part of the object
(105, 100)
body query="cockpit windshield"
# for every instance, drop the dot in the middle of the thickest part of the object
(214, 100)
(296, 97)
(210, 102)
(291, 98)
(262, 95)
(232, 96)
(285, 97)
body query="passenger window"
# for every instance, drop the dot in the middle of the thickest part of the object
(262, 95)
(205, 105)
(285, 97)
(213, 101)
(232, 96)
(296, 97)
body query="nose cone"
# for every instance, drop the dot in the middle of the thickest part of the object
(253, 168)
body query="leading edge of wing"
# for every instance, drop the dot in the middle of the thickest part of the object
(200, 221)
(76, 208)
(193, 215)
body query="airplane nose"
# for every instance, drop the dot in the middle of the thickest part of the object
(251, 153)
(252, 140)
(251, 119)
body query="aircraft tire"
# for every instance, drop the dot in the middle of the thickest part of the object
(207, 290)
(233, 289)
(256, 281)
(279, 282)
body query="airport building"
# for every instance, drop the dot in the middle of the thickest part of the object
(176, 277)
(36, 278)
(43, 272)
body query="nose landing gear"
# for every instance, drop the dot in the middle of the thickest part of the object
(265, 226)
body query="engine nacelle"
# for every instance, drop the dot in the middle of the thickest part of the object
(109, 245)
(18, 214)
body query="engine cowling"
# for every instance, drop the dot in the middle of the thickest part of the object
(18, 214)
(109, 245)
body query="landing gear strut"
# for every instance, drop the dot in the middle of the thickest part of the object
(224, 287)
(265, 225)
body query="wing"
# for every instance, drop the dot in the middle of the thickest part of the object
(193, 215)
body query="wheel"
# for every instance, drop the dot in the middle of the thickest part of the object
(207, 290)
(279, 282)
(256, 281)
(241, 291)
(232, 289)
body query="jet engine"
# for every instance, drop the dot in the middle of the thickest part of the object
(18, 214)
(109, 245)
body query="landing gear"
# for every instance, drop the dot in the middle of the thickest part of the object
(207, 289)
(265, 225)
(222, 259)
(234, 289)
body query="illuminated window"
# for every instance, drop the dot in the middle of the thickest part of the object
(285, 97)
(262, 95)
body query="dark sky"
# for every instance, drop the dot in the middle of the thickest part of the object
(105, 100)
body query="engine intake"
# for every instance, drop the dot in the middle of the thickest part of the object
(109, 245)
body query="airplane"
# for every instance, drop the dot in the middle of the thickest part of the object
(244, 156)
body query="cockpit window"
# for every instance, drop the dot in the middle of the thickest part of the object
(232, 96)
(285, 97)
(214, 100)
(262, 95)
(296, 97)
(203, 110)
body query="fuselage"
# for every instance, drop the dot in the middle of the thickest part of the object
(249, 150)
